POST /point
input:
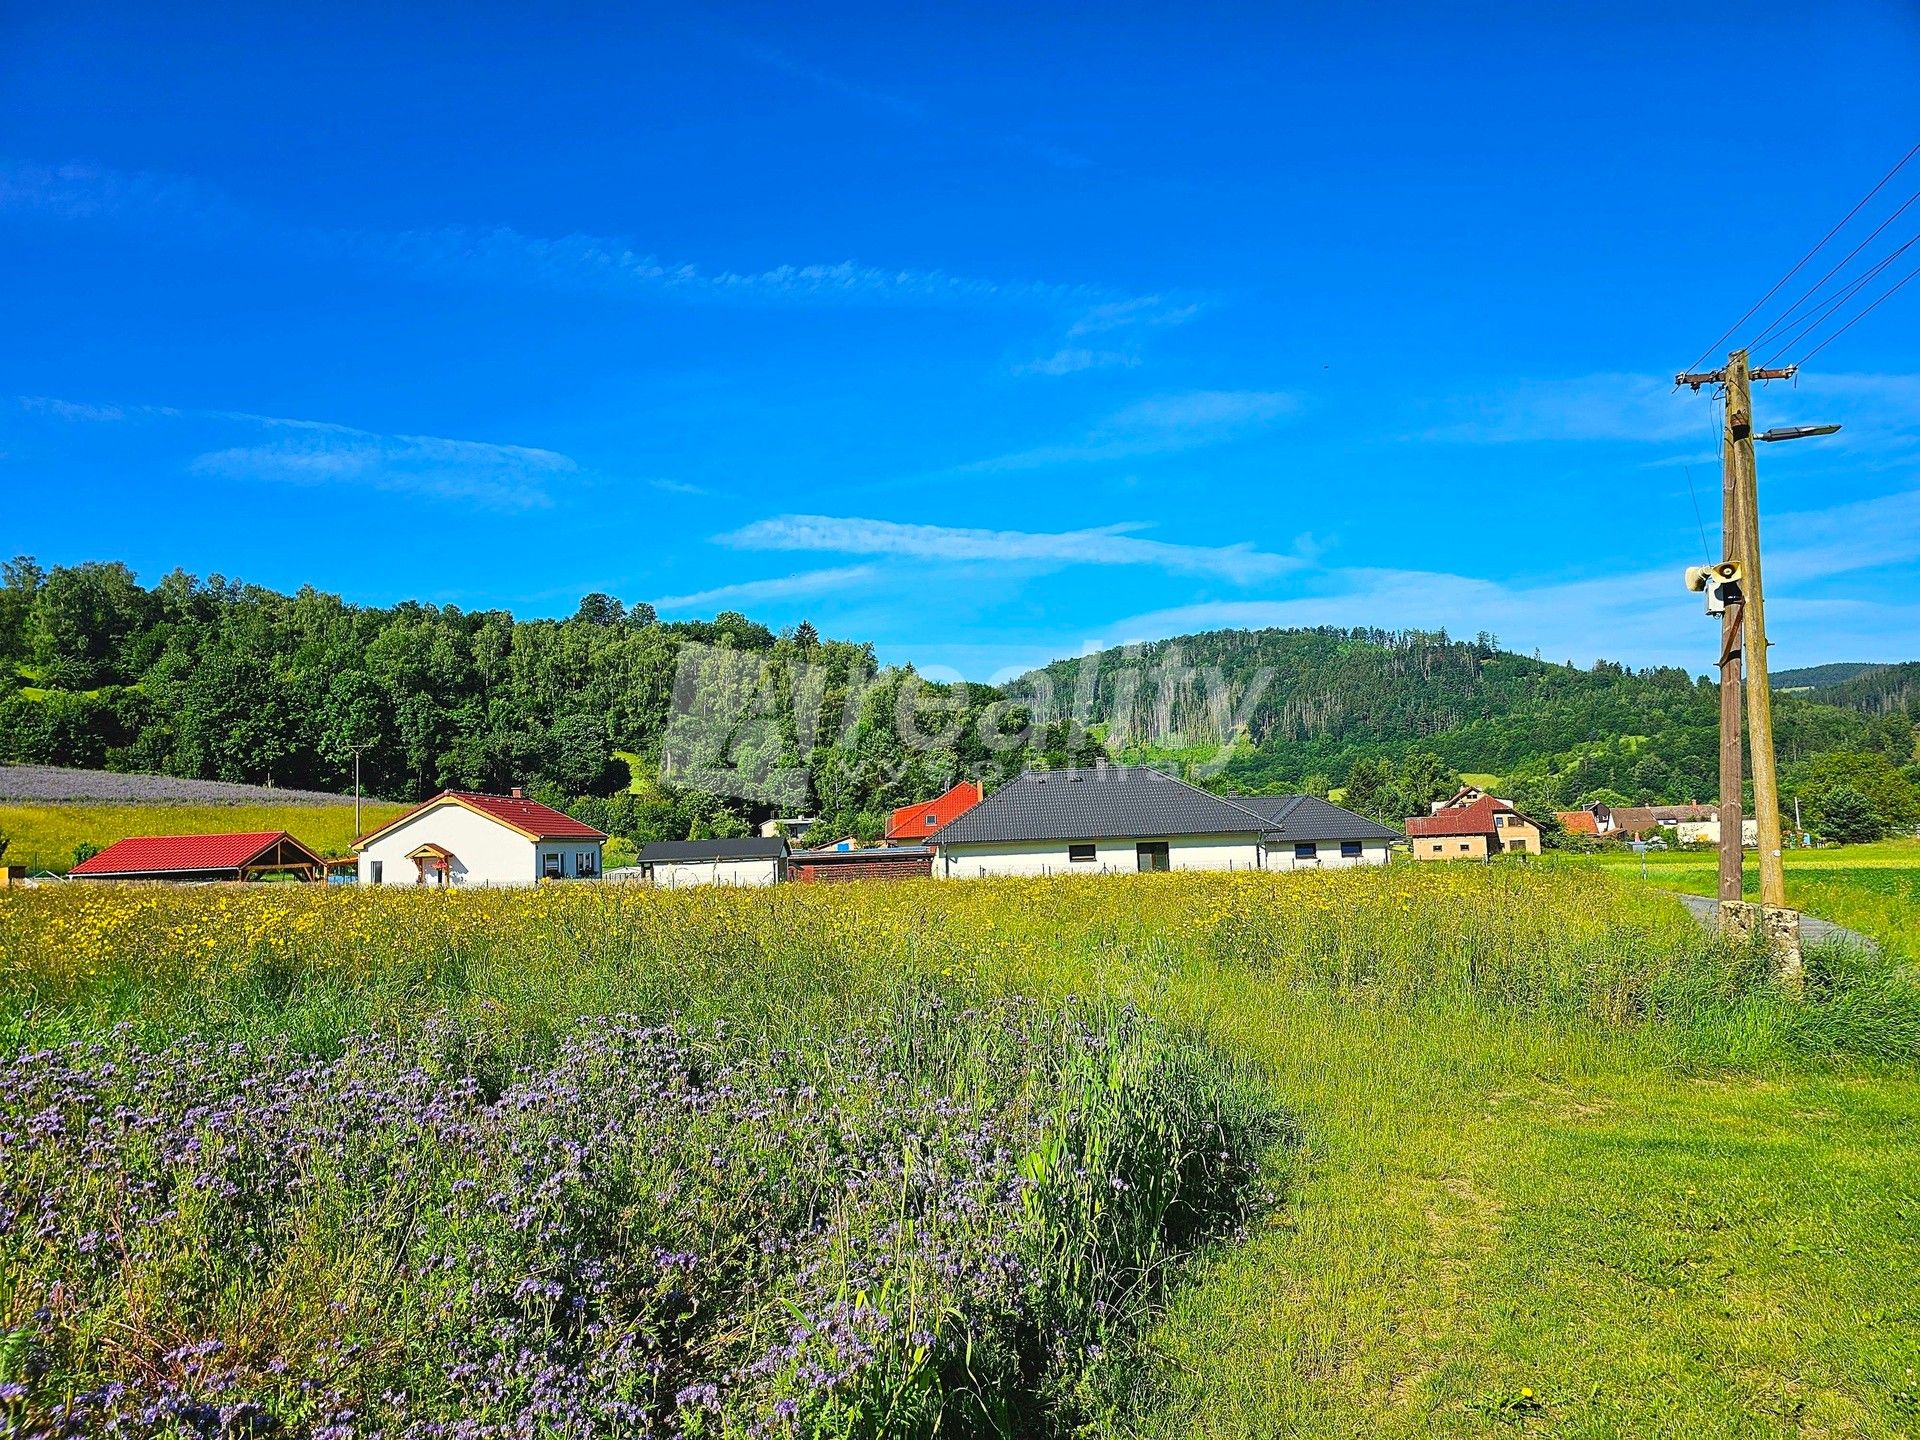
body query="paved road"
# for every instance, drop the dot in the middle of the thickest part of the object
(1813, 930)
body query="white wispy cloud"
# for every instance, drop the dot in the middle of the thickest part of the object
(1140, 310)
(780, 587)
(1585, 407)
(1642, 613)
(1158, 425)
(1122, 324)
(320, 452)
(502, 477)
(1075, 358)
(1647, 408)
(69, 409)
(906, 108)
(500, 255)
(1105, 545)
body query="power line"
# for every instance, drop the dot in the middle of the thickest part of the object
(1853, 288)
(1763, 336)
(1884, 297)
(1706, 547)
(1801, 262)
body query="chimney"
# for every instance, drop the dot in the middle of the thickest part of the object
(517, 793)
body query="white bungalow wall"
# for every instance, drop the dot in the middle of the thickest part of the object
(1187, 852)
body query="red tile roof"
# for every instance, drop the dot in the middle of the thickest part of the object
(1577, 822)
(529, 817)
(181, 854)
(917, 822)
(1474, 819)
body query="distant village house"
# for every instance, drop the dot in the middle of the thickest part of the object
(915, 824)
(1472, 829)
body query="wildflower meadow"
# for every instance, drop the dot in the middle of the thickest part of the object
(1170, 1154)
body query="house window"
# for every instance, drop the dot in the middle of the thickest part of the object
(1082, 853)
(1499, 821)
(1152, 855)
(1349, 849)
(1465, 846)
(376, 871)
(1306, 850)
(1516, 845)
(585, 864)
(550, 865)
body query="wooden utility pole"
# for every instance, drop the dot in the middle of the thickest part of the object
(1766, 787)
(1732, 528)
(1743, 628)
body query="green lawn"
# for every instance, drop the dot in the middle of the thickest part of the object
(1571, 1232)
(1874, 889)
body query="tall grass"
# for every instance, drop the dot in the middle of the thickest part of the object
(1430, 1033)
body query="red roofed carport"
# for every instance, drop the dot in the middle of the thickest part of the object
(247, 856)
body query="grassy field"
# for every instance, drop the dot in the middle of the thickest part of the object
(1874, 889)
(1549, 1161)
(44, 835)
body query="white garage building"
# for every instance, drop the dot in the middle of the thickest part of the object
(462, 838)
(1114, 817)
(744, 860)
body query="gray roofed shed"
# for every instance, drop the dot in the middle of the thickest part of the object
(747, 847)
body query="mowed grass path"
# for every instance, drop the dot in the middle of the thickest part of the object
(1559, 1166)
(1516, 1220)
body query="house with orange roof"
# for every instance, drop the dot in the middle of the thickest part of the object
(1579, 822)
(460, 837)
(912, 824)
(1473, 831)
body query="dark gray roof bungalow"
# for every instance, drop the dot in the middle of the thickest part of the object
(1120, 817)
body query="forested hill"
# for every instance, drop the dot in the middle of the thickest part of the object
(1878, 690)
(1302, 707)
(1820, 677)
(719, 723)
(653, 730)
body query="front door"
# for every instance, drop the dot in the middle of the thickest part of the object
(1152, 855)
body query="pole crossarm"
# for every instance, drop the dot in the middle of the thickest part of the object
(1697, 378)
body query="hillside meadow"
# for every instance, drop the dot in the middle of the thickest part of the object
(44, 836)
(1422, 1151)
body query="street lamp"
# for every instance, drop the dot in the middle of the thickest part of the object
(1796, 432)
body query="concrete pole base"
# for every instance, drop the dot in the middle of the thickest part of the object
(1778, 929)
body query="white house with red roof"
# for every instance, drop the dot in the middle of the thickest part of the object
(462, 838)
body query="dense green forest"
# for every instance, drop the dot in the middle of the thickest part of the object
(653, 729)
(649, 729)
(1302, 709)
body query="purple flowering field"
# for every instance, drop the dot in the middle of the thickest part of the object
(939, 1222)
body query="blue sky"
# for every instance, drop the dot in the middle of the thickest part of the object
(985, 335)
